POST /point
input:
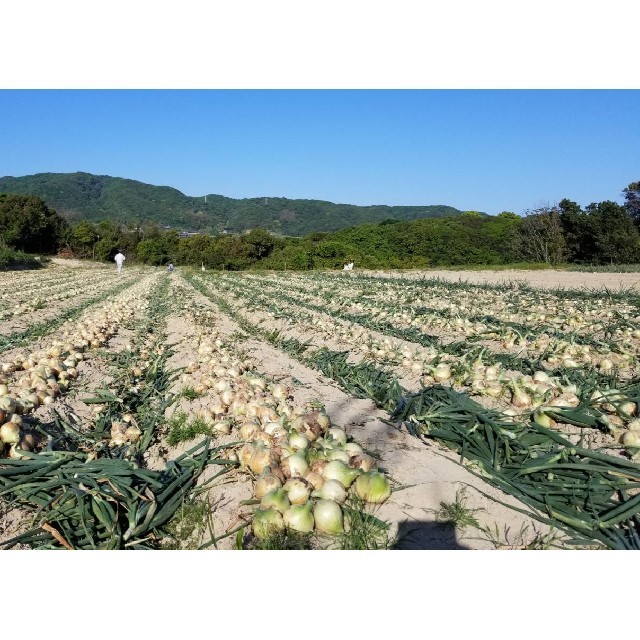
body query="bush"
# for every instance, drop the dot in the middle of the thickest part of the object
(10, 259)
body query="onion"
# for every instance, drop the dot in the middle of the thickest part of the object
(245, 454)
(299, 517)
(442, 372)
(8, 404)
(276, 499)
(314, 479)
(333, 490)
(10, 432)
(627, 409)
(265, 483)
(363, 461)
(279, 392)
(266, 522)
(264, 439)
(373, 487)
(631, 439)
(297, 489)
(297, 440)
(353, 448)
(338, 435)
(328, 517)
(275, 429)
(294, 465)
(261, 458)
(322, 419)
(337, 470)
(339, 454)
(520, 399)
(541, 418)
(249, 430)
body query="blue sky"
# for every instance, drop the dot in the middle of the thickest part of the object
(472, 149)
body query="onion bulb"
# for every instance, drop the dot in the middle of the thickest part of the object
(276, 499)
(339, 454)
(265, 483)
(245, 454)
(294, 465)
(363, 461)
(373, 487)
(333, 490)
(314, 479)
(328, 517)
(631, 439)
(10, 432)
(297, 490)
(266, 522)
(337, 470)
(299, 517)
(353, 448)
(338, 435)
(297, 440)
(261, 458)
(541, 418)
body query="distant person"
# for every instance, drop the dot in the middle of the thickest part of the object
(119, 260)
(171, 267)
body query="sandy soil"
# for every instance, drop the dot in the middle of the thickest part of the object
(544, 278)
(75, 264)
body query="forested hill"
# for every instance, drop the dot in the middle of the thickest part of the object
(79, 196)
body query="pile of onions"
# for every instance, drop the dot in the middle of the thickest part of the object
(304, 468)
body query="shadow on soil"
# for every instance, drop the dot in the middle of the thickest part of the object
(427, 535)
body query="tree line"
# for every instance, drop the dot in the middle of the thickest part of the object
(601, 233)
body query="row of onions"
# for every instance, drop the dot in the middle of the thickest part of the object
(31, 379)
(585, 317)
(536, 395)
(558, 352)
(460, 301)
(304, 469)
(50, 296)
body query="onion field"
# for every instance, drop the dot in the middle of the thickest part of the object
(321, 410)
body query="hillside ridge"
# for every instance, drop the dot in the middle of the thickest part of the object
(86, 196)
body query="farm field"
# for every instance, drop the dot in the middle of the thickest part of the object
(359, 410)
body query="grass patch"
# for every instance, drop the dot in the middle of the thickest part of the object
(284, 541)
(190, 393)
(605, 268)
(189, 525)
(183, 430)
(526, 538)
(457, 512)
(363, 530)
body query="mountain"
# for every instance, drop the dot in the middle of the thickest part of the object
(79, 196)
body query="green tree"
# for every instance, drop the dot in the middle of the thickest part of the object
(632, 201)
(82, 238)
(260, 243)
(617, 238)
(27, 224)
(542, 236)
(152, 251)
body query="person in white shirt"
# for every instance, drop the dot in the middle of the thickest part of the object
(119, 260)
